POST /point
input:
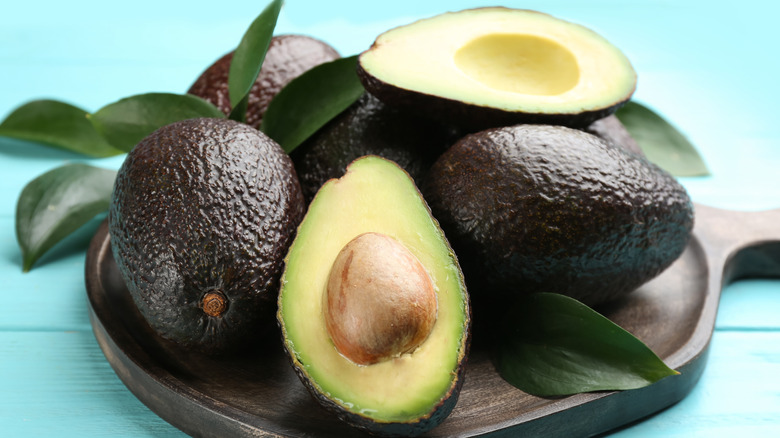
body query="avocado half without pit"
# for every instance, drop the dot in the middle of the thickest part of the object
(498, 66)
(373, 308)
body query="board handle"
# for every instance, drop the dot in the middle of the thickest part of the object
(745, 243)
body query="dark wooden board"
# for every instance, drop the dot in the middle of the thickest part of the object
(258, 394)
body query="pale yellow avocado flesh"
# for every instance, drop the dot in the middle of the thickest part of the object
(510, 59)
(374, 196)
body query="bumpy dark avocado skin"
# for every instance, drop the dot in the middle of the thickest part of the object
(204, 206)
(611, 130)
(535, 208)
(288, 56)
(369, 127)
(470, 117)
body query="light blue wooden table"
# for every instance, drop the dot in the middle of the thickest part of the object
(710, 67)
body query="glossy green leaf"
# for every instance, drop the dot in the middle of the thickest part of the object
(310, 101)
(126, 122)
(238, 113)
(57, 203)
(57, 124)
(661, 142)
(249, 56)
(553, 345)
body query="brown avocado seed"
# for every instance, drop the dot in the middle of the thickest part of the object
(380, 302)
(214, 303)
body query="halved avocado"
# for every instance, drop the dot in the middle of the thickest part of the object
(409, 392)
(498, 66)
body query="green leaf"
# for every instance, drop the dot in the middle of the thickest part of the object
(310, 101)
(249, 56)
(126, 122)
(57, 124)
(238, 113)
(661, 142)
(554, 345)
(57, 203)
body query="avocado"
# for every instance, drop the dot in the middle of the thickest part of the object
(612, 130)
(201, 216)
(369, 127)
(373, 309)
(288, 57)
(495, 66)
(536, 208)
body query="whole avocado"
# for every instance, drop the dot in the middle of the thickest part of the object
(201, 216)
(288, 57)
(369, 127)
(536, 208)
(612, 130)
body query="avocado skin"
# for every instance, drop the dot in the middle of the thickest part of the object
(435, 417)
(534, 208)
(470, 117)
(369, 127)
(288, 56)
(200, 205)
(421, 425)
(612, 130)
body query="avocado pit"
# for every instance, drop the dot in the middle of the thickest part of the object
(380, 301)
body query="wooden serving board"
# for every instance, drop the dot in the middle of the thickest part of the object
(258, 394)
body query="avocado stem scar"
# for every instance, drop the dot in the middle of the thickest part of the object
(214, 303)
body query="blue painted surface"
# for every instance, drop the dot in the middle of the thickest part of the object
(708, 68)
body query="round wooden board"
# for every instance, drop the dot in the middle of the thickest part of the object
(258, 393)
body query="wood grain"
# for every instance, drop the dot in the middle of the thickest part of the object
(258, 393)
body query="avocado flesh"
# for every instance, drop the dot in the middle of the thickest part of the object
(564, 212)
(499, 66)
(412, 392)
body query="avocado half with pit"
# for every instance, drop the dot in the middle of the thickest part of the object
(497, 66)
(373, 308)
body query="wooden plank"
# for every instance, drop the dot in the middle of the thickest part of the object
(59, 384)
(738, 394)
(52, 295)
(750, 305)
(24, 161)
